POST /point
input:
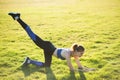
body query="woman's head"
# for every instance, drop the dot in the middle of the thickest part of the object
(78, 50)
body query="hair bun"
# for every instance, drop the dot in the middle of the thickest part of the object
(75, 46)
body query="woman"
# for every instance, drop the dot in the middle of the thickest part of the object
(49, 49)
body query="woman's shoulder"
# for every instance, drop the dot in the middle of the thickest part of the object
(63, 49)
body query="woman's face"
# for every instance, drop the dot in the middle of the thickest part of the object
(79, 54)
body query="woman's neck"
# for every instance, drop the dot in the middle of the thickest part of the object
(71, 53)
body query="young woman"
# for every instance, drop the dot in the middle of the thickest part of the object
(49, 49)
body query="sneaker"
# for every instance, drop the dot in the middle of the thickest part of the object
(15, 16)
(26, 61)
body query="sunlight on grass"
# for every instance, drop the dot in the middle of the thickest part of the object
(94, 24)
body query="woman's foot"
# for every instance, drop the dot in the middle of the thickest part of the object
(26, 61)
(15, 16)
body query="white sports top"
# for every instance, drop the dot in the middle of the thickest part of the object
(61, 53)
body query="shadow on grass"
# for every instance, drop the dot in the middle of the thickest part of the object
(73, 77)
(82, 76)
(31, 69)
(49, 73)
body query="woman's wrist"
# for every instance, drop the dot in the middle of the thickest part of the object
(71, 69)
(80, 67)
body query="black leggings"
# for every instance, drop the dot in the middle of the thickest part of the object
(47, 46)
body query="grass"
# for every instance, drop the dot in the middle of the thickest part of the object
(94, 24)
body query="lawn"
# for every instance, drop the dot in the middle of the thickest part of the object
(93, 23)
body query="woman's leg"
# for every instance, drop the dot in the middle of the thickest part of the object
(28, 61)
(48, 59)
(37, 40)
(37, 63)
(47, 46)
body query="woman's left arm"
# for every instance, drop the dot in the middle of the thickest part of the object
(78, 62)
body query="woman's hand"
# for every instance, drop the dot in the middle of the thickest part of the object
(72, 70)
(80, 67)
(68, 59)
(78, 62)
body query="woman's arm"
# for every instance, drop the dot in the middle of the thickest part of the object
(68, 59)
(78, 62)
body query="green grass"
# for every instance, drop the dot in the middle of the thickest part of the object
(92, 23)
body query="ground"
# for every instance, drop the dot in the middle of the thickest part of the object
(93, 23)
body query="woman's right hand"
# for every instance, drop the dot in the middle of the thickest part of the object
(72, 70)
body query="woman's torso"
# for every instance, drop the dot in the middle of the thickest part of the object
(61, 53)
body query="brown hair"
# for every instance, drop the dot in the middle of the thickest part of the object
(77, 47)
